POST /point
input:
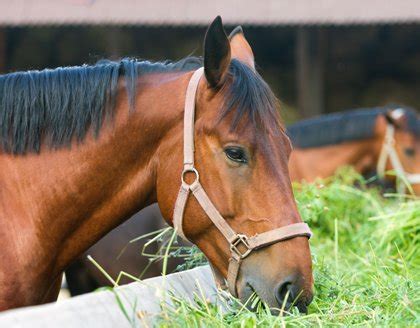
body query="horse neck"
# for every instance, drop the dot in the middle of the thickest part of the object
(312, 163)
(66, 199)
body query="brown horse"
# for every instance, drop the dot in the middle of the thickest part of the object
(85, 148)
(358, 139)
(323, 144)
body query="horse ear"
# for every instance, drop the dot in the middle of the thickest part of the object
(240, 47)
(396, 117)
(216, 53)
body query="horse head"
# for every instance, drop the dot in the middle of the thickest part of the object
(240, 158)
(400, 147)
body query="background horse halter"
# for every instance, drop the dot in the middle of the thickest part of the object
(388, 151)
(240, 245)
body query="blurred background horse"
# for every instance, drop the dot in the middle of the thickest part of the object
(357, 138)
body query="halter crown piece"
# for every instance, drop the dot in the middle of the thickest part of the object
(388, 151)
(240, 245)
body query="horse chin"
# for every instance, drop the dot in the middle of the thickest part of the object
(245, 293)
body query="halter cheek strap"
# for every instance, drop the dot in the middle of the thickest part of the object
(240, 245)
(388, 151)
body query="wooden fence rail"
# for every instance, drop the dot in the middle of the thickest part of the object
(135, 304)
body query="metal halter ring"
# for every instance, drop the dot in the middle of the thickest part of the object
(193, 170)
(240, 239)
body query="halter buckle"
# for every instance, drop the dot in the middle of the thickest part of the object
(240, 240)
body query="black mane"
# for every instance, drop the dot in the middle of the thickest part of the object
(341, 127)
(57, 106)
(60, 105)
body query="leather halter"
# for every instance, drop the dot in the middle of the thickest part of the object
(240, 245)
(388, 151)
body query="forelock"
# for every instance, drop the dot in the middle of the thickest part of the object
(249, 100)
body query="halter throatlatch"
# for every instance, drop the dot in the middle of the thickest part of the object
(388, 151)
(240, 245)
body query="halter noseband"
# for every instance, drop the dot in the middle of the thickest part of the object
(240, 245)
(388, 150)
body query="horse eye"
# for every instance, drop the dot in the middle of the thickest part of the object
(236, 154)
(409, 151)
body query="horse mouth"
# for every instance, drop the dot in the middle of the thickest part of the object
(254, 302)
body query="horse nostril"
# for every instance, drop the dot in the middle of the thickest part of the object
(292, 294)
(283, 293)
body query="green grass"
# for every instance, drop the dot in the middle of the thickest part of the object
(366, 263)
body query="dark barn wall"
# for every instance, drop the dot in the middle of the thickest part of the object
(369, 66)
(2, 50)
(311, 50)
(361, 66)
